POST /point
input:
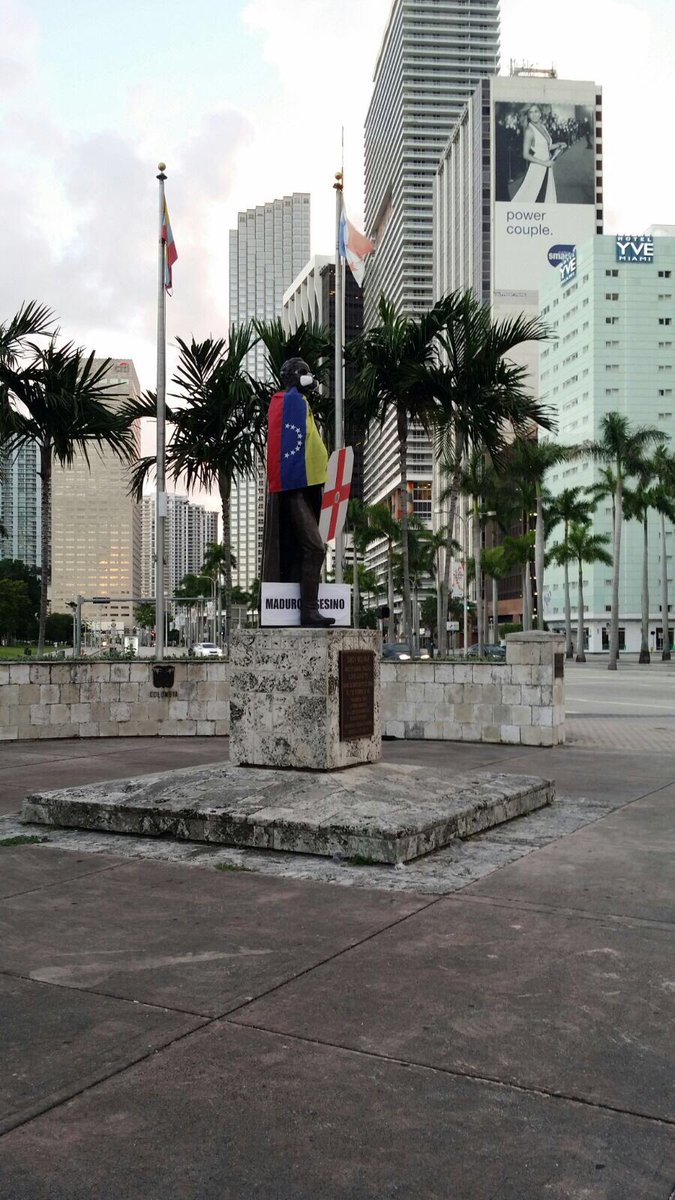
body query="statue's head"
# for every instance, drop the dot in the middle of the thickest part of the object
(296, 373)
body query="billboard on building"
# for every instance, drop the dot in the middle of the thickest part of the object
(544, 185)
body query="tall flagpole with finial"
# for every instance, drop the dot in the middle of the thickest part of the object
(339, 354)
(161, 510)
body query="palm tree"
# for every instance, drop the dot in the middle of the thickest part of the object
(385, 525)
(311, 342)
(475, 479)
(483, 396)
(495, 565)
(530, 460)
(213, 567)
(518, 553)
(363, 535)
(60, 401)
(217, 426)
(664, 467)
(581, 546)
(394, 361)
(32, 320)
(637, 505)
(623, 447)
(568, 507)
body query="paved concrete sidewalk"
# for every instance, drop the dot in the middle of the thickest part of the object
(188, 1034)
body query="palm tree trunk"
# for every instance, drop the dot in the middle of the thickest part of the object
(527, 597)
(357, 594)
(224, 489)
(645, 656)
(495, 610)
(390, 590)
(665, 651)
(402, 426)
(581, 657)
(539, 559)
(614, 618)
(568, 607)
(478, 574)
(46, 506)
(445, 582)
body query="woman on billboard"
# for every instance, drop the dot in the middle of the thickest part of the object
(540, 153)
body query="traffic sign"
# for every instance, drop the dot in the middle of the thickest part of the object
(452, 626)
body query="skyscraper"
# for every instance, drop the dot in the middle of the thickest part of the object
(613, 312)
(20, 509)
(190, 528)
(96, 525)
(433, 54)
(267, 250)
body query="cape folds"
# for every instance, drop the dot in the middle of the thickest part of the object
(296, 456)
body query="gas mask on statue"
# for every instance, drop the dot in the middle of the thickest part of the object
(296, 373)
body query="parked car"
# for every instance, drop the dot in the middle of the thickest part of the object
(494, 652)
(401, 651)
(207, 650)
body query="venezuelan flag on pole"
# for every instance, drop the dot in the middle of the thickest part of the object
(170, 252)
(296, 456)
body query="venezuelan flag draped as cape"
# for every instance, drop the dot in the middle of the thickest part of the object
(296, 456)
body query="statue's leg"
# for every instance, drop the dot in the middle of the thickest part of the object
(313, 553)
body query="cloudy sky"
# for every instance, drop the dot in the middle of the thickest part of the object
(245, 100)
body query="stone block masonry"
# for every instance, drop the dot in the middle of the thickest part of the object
(518, 702)
(85, 699)
(288, 697)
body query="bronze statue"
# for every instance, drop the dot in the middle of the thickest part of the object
(293, 550)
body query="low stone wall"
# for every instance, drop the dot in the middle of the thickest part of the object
(521, 701)
(115, 699)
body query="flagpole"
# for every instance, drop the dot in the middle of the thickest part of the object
(339, 357)
(161, 509)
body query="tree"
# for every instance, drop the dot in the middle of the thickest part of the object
(394, 361)
(59, 628)
(309, 341)
(363, 535)
(568, 507)
(213, 567)
(217, 423)
(495, 566)
(581, 546)
(637, 506)
(530, 460)
(518, 552)
(622, 447)
(385, 525)
(664, 466)
(13, 601)
(56, 398)
(483, 396)
(15, 568)
(145, 615)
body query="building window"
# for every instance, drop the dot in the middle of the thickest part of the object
(611, 295)
(665, 320)
(613, 273)
(664, 274)
(611, 320)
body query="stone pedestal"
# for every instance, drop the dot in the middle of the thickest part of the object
(286, 698)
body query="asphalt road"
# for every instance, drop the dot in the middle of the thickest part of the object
(634, 690)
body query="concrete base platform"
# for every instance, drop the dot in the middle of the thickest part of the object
(383, 812)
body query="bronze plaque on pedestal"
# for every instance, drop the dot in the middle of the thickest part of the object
(357, 694)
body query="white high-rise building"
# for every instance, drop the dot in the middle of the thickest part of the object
(433, 54)
(613, 312)
(20, 507)
(190, 529)
(267, 250)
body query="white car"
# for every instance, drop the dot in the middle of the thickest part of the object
(207, 650)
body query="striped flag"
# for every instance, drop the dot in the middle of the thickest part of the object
(170, 252)
(296, 455)
(354, 247)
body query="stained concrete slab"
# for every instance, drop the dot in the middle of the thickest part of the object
(31, 766)
(29, 868)
(574, 1006)
(379, 812)
(231, 1113)
(201, 941)
(592, 872)
(56, 1042)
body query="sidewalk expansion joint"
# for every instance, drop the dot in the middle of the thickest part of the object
(454, 1072)
(44, 887)
(625, 920)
